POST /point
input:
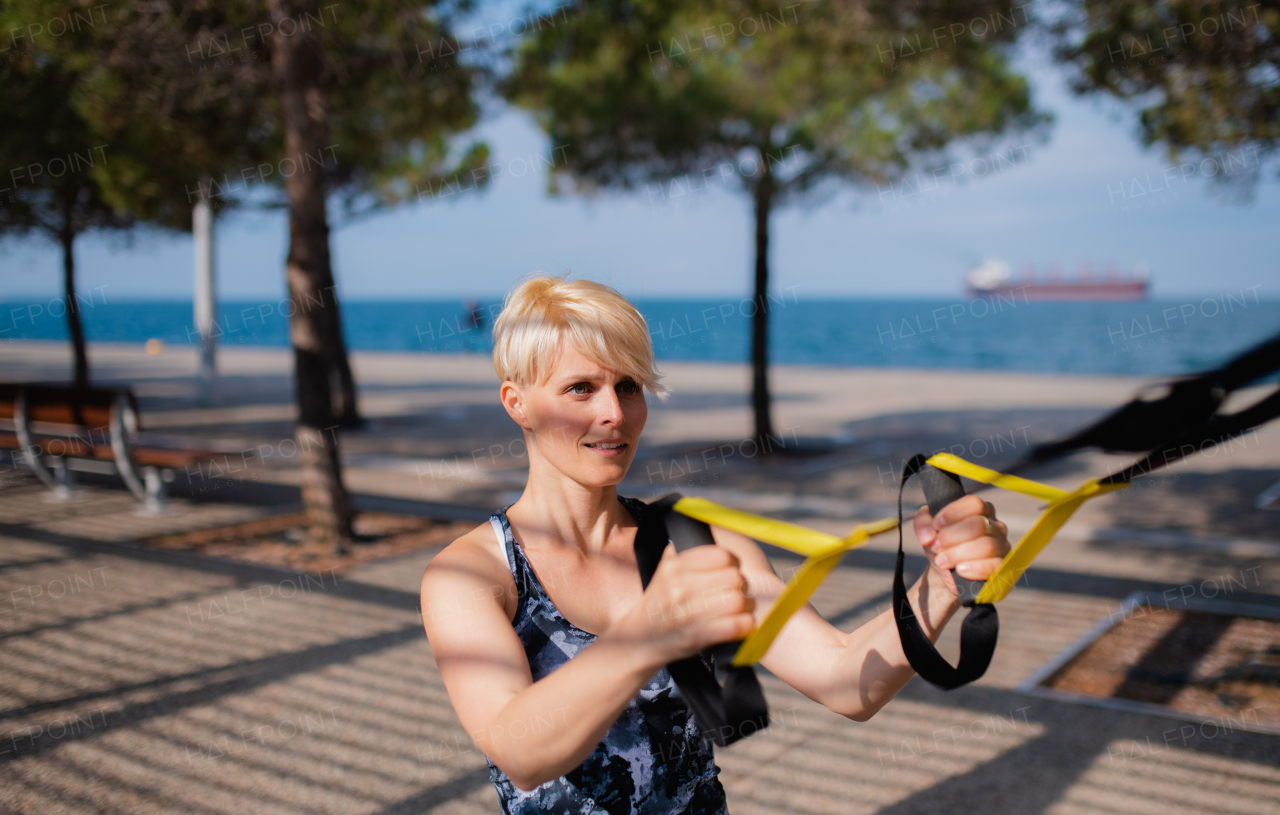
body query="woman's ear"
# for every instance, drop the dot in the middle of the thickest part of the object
(513, 400)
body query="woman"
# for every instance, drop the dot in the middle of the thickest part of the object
(553, 656)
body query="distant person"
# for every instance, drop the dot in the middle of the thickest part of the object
(550, 650)
(475, 325)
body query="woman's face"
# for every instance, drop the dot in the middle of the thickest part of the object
(584, 420)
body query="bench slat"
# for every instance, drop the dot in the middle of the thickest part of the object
(144, 456)
(63, 404)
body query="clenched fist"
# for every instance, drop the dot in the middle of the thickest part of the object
(965, 536)
(696, 599)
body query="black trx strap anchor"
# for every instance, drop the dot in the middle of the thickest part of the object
(981, 627)
(1177, 417)
(725, 713)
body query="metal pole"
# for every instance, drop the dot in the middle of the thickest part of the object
(205, 302)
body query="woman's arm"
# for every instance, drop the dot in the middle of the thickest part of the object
(537, 731)
(856, 673)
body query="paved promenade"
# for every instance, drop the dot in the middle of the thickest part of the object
(140, 681)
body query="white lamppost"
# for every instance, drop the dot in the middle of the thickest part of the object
(205, 301)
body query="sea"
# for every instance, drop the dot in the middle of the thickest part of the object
(1143, 338)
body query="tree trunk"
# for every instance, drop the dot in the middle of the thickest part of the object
(298, 64)
(763, 197)
(348, 412)
(74, 326)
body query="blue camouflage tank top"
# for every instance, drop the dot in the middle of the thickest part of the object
(654, 758)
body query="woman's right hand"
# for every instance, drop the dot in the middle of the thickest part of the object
(697, 598)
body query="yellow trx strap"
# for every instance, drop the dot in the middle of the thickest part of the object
(823, 551)
(1062, 505)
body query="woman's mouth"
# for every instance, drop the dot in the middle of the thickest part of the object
(608, 448)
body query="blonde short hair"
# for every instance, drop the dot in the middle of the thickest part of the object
(539, 313)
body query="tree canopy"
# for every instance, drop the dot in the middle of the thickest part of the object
(57, 164)
(652, 90)
(187, 89)
(1205, 76)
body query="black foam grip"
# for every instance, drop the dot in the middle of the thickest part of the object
(940, 489)
(687, 533)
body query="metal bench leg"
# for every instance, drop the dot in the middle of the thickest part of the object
(59, 483)
(154, 502)
(64, 488)
(123, 421)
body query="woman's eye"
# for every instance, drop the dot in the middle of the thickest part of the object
(580, 389)
(629, 388)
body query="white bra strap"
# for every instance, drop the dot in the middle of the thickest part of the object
(502, 542)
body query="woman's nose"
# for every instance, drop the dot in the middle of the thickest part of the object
(610, 407)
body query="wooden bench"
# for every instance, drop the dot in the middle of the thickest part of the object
(56, 427)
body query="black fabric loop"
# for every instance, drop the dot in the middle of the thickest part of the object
(725, 713)
(978, 633)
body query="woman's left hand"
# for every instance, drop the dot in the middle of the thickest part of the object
(965, 536)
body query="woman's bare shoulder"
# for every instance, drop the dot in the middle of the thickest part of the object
(471, 560)
(468, 601)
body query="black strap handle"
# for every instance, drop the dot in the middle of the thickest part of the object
(981, 627)
(724, 712)
(940, 489)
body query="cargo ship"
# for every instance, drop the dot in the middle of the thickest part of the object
(994, 278)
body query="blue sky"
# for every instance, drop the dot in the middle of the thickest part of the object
(1075, 198)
